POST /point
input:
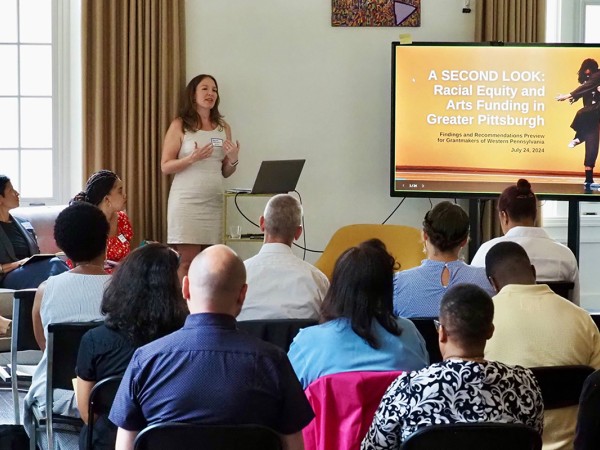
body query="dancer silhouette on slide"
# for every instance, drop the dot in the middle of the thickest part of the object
(586, 122)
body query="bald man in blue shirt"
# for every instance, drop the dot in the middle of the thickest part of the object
(209, 371)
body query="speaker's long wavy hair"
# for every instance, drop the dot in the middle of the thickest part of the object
(189, 115)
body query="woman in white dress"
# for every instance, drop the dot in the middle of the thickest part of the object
(199, 151)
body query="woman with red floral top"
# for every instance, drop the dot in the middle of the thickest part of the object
(105, 190)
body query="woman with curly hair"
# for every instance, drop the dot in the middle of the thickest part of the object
(418, 291)
(104, 189)
(80, 231)
(142, 303)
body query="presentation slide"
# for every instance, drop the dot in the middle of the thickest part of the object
(475, 118)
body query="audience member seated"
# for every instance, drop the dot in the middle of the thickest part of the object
(281, 285)
(464, 387)
(587, 434)
(359, 331)
(142, 302)
(74, 296)
(418, 291)
(536, 327)
(104, 189)
(209, 371)
(517, 210)
(17, 244)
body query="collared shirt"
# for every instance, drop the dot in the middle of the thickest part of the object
(535, 327)
(418, 291)
(455, 391)
(282, 286)
(553, 261)
(210, 372)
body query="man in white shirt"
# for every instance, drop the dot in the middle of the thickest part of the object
(535, 327)
(281, 285)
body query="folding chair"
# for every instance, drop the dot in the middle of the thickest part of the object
(22, 339)
(207, 437)
(562, 288)
(474, 436)
(561, 385)
(62, 347)
(344, 405)
(280, 332)
(101, 400)
(426, 327)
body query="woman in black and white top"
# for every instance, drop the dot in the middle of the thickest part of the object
(462, 388)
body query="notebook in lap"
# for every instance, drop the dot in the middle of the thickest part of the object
(276, 177)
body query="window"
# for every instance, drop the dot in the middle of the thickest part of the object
(26, 96)
(559, 24)
(553, 22)
(40, 98)
(591, 19)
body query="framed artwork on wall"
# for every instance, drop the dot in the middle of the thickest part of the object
(376, 13)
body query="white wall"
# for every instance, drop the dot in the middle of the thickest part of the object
(293, 86)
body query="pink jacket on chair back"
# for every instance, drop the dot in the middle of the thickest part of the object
(344, 405)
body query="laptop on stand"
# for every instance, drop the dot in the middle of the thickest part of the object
(275, 177)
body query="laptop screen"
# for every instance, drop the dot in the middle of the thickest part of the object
(278, 177)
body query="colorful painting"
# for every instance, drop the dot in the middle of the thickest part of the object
(376, 13)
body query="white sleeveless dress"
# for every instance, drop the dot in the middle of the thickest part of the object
(195, 207)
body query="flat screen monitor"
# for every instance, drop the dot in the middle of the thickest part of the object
(470, 119)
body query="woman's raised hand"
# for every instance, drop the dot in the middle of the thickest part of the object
(202, 152)
(231, 150)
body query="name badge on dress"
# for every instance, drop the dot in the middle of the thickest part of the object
(122, 238)
(27, 225)
(216, 142)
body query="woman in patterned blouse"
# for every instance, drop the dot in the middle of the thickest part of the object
(462, 388)
(104, 189)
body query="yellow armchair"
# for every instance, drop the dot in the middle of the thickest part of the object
(403, 242)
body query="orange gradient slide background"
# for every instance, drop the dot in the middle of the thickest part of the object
(417, 142)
